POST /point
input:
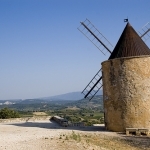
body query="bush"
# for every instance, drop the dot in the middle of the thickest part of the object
(6, 113)
(75, 136)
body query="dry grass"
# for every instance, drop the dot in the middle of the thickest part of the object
(101, 142)
(39, 113)
(73, 108)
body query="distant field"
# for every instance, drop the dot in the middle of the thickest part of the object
(73, 108)
(39, 113)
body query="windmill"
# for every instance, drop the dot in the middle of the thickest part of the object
(97, 38)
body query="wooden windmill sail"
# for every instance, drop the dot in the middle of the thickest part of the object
(144, 34)
(89, 30)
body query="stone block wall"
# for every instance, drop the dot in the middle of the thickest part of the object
(126, 93)
(25, 119)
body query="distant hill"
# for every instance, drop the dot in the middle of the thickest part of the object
(96, 103)
(72, 96)
(45, 105)
(68, 96)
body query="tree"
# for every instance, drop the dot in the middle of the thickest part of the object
(6, 113)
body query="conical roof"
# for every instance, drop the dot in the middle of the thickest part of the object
(129, 44)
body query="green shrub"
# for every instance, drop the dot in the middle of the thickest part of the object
(6, 113)
(75, 136)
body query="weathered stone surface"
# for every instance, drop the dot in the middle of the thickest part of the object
(126, 93)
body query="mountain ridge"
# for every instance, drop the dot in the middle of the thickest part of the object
(71, 96)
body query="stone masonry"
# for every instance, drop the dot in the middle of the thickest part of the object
(126, 93)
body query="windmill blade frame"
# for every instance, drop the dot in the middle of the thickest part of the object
(96, 37)
(144, 32)
(93, 86)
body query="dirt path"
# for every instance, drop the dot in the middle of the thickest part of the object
(46, 135)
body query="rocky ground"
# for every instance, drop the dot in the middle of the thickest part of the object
(46, 135)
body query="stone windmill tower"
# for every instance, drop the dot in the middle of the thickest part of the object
(125, 79)
(126, 83)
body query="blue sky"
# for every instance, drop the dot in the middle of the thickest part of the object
(43, 54)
